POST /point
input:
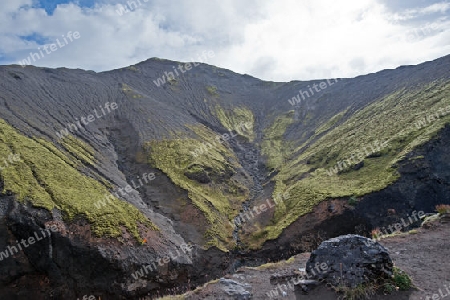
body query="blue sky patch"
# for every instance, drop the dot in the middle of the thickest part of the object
(50, 5)
(35, 37)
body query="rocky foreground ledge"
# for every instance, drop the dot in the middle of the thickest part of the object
(344, 262)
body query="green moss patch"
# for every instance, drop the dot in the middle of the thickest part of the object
(47, 178)
(273, 146)
(212, 90)
(206, 177)
(328, 125)
(78, 149)
(239, 119)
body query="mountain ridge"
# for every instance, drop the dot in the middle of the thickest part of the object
(284, 151)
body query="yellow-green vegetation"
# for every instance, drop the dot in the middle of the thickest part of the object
(273, 146)
(219, 199)
(133, 68)
(443, 209)
(362, 291)
(277, 265)
(212, 90)
(389, 119)
(47, 178)
(328, 125)
(399, 281)
(430, 219)
(240, 119)
(126, 88)
(78, 149)
(129, 91)
(377, 234)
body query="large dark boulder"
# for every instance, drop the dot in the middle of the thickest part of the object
(349, 260)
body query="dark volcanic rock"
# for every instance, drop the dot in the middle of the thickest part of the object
(351, 260)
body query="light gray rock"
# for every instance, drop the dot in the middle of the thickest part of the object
(239, 291)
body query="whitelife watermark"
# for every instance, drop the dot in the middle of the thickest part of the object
(357, 156)
(109, 197)
(256, 210)
(422, 32)
(302, 95)
(162, 261)
(397, 227)
(86, 297)
(360, 155)
(50, 48)
(45, 233)
(430, 118)
(130, 6)
(183, 68)
(86, 120)
(440, 295)
(206, 146)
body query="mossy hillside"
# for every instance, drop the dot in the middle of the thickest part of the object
(273, 145)
(389, 119)
(78, 149)
(219, 201)
(319, 131)
(47, 178)
(68, 159)
(240, 119)
(76, 157)
(328, 125)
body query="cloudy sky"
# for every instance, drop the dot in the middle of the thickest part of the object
(279, 40)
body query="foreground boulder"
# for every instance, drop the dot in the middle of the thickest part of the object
(351, 260)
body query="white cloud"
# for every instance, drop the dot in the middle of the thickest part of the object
(321, 39)
(434, 8)
(409, 14)
(275, 40)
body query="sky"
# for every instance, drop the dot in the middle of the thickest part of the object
(277, 40)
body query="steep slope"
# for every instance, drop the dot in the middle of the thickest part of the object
(364, 149)
(211, 145)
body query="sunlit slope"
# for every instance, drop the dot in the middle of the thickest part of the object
(390, 121)
(48, 178)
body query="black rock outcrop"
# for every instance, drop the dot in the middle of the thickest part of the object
(349, 260)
